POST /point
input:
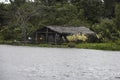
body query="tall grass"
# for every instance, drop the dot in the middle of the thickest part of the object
(101, 46)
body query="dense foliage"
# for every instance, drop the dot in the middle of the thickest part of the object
(20, 18)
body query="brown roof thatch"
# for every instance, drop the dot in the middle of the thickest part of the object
(71, 30)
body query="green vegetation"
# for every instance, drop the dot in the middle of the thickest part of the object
(98, 46)
(20, 19)
(77, 37)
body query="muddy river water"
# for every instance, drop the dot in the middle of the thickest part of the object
(35, 63)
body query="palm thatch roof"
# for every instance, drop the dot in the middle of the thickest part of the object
(71, 30)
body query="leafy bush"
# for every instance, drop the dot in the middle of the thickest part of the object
(71, 44)
(77, 22)
(117, 42)
(106, 29)
(77, 37)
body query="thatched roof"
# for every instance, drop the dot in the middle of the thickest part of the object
(71, 30)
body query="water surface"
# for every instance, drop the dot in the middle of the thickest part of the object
(35, 63)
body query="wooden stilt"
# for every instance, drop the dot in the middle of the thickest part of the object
(55, 38)
(36, 37)
(47, 36)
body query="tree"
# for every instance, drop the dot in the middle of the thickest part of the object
(17, 2)
(64, 14)
(109, 8)
(107, 29)
(22, 17)
(52, 2)
(4, 17)
(1, 14)
(117, 18)
(92, 10)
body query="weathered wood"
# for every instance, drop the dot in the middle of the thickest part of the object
(55, 37)
(47, 35)
(45, 32)
(36, 37)
(50, 36)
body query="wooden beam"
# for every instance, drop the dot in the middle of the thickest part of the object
(45, 32)
(36, 37)
(55, 37)
(47, 35)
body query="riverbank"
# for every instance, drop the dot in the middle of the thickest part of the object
(97, 46)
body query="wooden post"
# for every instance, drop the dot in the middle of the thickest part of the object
(36, 37)
(47, 35)
(55, 37)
